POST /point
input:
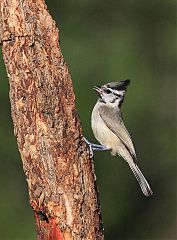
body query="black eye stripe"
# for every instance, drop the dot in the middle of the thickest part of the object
(108, 91)
(118, 95)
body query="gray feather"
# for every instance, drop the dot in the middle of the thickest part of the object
(111, 115)
(141, 180)
(121, 85)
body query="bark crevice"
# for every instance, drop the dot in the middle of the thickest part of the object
(12, 37)
(56, 160)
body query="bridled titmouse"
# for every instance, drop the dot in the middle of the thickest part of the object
(110, 131)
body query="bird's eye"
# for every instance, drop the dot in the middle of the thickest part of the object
(108, 91)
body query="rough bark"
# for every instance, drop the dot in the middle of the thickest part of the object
(59, 171)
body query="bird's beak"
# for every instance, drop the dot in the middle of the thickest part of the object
(97, 89)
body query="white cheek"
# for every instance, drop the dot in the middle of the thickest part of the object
(113, 104)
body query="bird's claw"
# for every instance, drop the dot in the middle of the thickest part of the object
(95, 147)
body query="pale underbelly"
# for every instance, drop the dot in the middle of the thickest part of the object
(106, 137)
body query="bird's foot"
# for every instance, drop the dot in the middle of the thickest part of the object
(95, 147)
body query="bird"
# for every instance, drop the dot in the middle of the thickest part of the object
(109, 129)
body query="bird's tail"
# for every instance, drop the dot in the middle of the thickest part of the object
(146, 189)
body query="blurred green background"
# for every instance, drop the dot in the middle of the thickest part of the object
(105, 41)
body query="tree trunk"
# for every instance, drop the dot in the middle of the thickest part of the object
(59, 171)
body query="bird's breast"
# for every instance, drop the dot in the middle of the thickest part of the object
(102, 133)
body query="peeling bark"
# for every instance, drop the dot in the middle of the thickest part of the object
(59, 172)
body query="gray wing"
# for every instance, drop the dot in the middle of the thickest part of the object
(114, 122)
